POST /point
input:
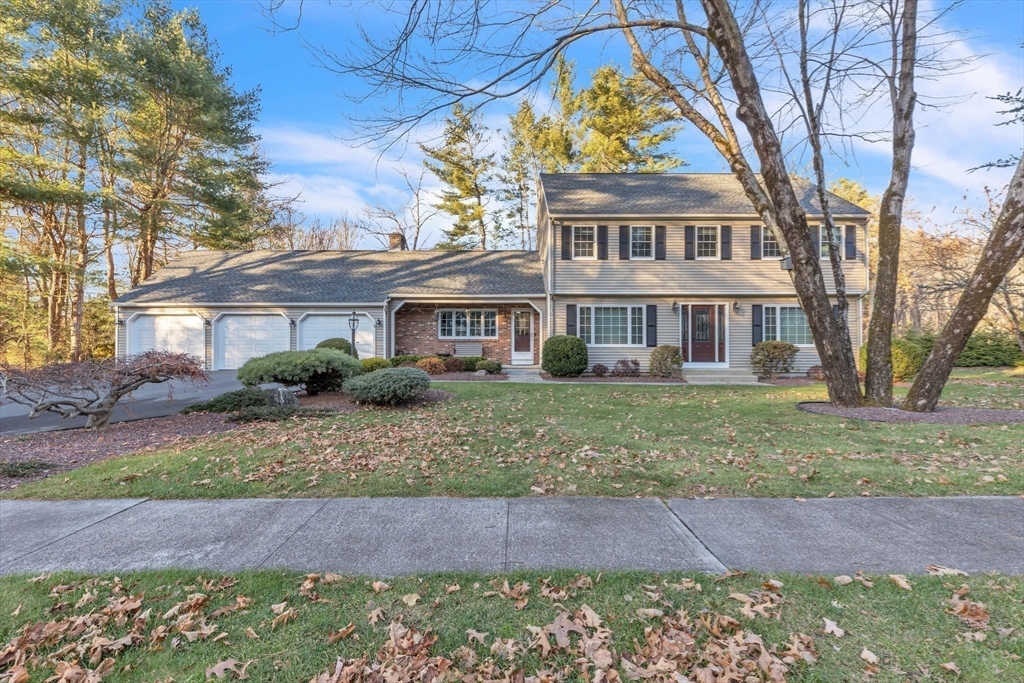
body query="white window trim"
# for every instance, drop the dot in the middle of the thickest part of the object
(766, 231)
(777, 316)
(718, 243)
(653, 246)
(467, 310)
(572, 245)
(822, 254)
(720, 363)
(629, 324)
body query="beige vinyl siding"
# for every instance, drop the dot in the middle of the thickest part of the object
(737, 276)
(738, 342)
(210, 313)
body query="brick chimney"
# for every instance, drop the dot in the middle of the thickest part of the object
(396, 242)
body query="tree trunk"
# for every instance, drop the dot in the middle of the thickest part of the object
(81, 262)
(878, 374)
(1011, 313)
(831, 339)
(1004, 247)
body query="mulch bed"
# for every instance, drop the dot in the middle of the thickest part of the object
(468, 377)
(942, 415)
(642, 379)
(48, 453)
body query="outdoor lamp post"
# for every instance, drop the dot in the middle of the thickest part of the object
(353, 323)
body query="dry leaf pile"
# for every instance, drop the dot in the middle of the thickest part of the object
(711, 648)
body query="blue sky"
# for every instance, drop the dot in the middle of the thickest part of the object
(304, 131)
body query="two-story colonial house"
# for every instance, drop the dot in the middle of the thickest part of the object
(627, 262)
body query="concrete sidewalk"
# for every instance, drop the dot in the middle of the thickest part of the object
(389, 536)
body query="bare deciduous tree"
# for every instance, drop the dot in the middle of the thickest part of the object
(409, 220)
(94, 388)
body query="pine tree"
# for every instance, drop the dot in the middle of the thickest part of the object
(461, 163)
(518, 172)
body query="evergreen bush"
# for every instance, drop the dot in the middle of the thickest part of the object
(773, 358)
(907, 358)
(564, 356)
(316, 370)
(373, 364)
(492, 367)
(431, 365)
(339, 344)
(665, 359)
(391, 386)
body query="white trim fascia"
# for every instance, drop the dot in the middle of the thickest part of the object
(686, 217)
(495, 298)
(690, 293)
(259, 304)
(512, 336)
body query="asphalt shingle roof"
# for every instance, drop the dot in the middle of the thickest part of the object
(279, 277)
(665, 194)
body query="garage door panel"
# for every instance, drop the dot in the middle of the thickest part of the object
(241, 337)
(173, 333)
(315, 328)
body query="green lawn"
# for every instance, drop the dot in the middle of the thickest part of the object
(163, 626)
(500, 439)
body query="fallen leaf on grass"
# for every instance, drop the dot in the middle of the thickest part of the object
(952, 667)
(251, 633)
(475, 635)
(18, 674)
(869, 656)
(283, 618)
(341, 634)
(833, 628)
(380, 586)
(452, 589)
(375, 616)
(411, 599)
(229, 666)
(278, 609)
(843, 580)
(900, 581)
(939, 570)
(650, 613)
(974, 614)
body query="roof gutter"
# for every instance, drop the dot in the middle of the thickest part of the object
(686, 217)
(236, 304)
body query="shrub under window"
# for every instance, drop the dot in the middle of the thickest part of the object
(564, 356)
(388, 387)
(773, 358)
(665, 359)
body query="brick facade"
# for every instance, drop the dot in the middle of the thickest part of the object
(416, 332)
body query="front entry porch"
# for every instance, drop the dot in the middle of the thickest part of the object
(704, 335)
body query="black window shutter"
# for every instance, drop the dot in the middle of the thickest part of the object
(659, 242)
(851, 242)
(691, 254)
(755, 242)
(602, 243)
(570, 320)
(816, 245)
(566, 242)
(726, 242)
(757, 322)
(652, 325)
(623, 242)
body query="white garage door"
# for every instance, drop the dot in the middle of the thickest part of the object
(237, 338)
(174, 333)
(315, 328)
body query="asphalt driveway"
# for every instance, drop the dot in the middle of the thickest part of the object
(151, 400)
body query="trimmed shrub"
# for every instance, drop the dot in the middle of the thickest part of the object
(431, 365)
(492, 367)
(564, 356)
(263, 414)
(599, 369)
(469, 362)
(316, 370)
(453, 364)
(665, 359)
(397, 361)
(374, 364)
(230, 402)
(907, 358)
(388, 387)
(816, 372)
(339, 344)
(772, 358)
(985, 348)
(626, 367)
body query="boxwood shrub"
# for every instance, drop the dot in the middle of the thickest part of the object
(388, 387)
(907, 358)
(564, 356)
(772, 358)
(397, 361)
(231, 402)
(316, 370)
(469, 362)
(339, 344)
(665, 359)
(491, 367)
(432, 365)
(373, 364)
(984, 348)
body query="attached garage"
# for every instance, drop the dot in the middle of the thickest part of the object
(316, 327)
(175, 333)
(239, 337)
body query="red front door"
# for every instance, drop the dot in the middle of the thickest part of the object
(702, 334)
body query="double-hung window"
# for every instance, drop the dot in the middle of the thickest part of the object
(823, 241)
(787, 324)
(584, 242)
(641, 242)
(707, 241)
(467, 325)
(611, 325)
(769, 245)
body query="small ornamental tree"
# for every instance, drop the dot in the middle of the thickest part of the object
(564, 356)
(93, 388)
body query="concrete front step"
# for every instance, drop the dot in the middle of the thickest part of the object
(725, 376)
